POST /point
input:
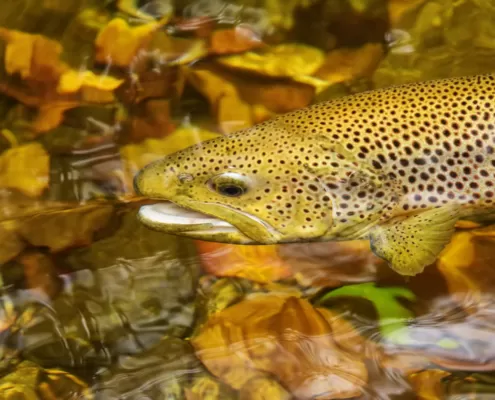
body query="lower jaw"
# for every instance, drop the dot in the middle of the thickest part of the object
(211, 229)
(219, 237)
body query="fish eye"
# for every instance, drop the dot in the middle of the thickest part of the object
(229, 184)
(230, 190)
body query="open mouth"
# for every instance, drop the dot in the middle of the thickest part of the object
(169, 217)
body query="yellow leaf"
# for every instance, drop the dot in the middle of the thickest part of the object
(72, 81)
(454, 262)
(467, 265)
(18, 54)
(25, 168)
(296, 61)
(232, 113)
(118, 43)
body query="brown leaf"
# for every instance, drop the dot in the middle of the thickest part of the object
(25, 168)
(59, 230)
(150, 119)
(280, 335)
(257, 263)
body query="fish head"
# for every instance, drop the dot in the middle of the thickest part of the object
(248, 187)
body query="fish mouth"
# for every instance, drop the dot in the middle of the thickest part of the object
(172, 218)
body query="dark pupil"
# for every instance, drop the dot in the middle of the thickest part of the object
(230, 190)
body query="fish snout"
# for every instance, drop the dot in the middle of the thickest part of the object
(154, 181)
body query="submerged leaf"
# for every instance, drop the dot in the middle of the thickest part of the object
(258, 263)
(393, 316)
(160, 372)
(10, 242)
(280, 335)
(49, 84)
(330, 264)
(264, 388)
(118, 43)
(33, 57)
(231, 112)
(59, 230)
(233, 40)
(345, 65)
(467, 263)
(427, 384)
(30, 381)
(206, 387)
(25, 168)
(296, 61)
(239, 101)
(72, 81)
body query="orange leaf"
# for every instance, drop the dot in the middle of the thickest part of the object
(427, 384)
(234, 40)
(257, 263)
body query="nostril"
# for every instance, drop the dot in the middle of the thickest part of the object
(183, 178)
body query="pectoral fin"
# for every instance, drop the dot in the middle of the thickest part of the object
(411, 243)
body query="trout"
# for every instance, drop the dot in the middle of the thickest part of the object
(397, 166)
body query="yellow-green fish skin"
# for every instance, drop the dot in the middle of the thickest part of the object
(398, 166)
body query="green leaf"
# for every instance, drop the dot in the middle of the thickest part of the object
(393, 316)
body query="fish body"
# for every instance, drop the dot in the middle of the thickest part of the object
(398, 166)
